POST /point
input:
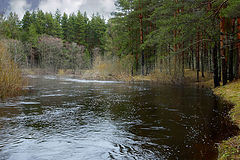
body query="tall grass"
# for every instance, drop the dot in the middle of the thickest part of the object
(110, 69)
(11, 82)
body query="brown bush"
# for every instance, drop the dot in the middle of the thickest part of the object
(11, 82)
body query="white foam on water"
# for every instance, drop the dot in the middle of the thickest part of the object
(50, 77)
(87, 81)
(29, 103)
(32, 76)
(53, 95)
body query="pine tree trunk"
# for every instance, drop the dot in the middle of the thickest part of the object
(136, 62)
(175, 56)
(223, 51)
(197, 57)
(192, 59)
(238, 48)
(202, 61)
(219, 66)
(202, 55)
(215, 66)
(143, 71)
(206, 58)
(141, 39)
(189, 61)
(210, 60)
(231, 52)
(183, 63)
(169, 60)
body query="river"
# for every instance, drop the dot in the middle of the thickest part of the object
(71, 119)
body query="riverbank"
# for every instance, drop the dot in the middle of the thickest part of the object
(155, 77)
(230, 149)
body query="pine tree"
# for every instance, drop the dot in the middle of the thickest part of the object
(26, 21)
(80, 29)
(64, 25)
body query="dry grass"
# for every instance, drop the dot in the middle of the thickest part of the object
(191, 78)
(110, 70)
(230, 149)
(11, 82)
(61, 72)
(121, 70)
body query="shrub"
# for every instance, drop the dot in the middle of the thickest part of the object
(11, 82)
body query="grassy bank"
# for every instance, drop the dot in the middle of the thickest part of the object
(11, 82)
(156, 77)
(230, 149)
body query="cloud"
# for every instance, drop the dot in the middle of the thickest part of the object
(67, 6)
(108, 5)
(103, 7)
(19, 7)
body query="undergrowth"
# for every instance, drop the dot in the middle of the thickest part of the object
(11, 82)
(122, 70)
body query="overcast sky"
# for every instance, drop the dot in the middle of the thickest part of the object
(104, 7)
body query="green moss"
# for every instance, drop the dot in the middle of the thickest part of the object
(230, 149)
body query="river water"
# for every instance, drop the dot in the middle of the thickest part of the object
(71, 119)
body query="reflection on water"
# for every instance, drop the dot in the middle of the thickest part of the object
(64, 118)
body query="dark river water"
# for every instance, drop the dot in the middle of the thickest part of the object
(70, 119)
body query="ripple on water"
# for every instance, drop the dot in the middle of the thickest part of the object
(108, 120)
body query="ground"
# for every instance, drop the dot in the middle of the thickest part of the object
(230, 149)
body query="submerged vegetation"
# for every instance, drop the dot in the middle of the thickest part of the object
(11, 82)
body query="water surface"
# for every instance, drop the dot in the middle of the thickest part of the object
(71, 119)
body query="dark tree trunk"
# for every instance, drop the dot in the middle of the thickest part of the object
(141, 39)
(231, 53)
(206, 58)
(238, 49)
(132, 73)
(210, 61)
(219, 67)
(223, 51)
(215, 66)
(136, 63)
(192, 59)
(202, 62)
(143, 71)
(224, 70)
(169, 60)
(183, 61)
(231, 64)
(189, 61)
(198, 58)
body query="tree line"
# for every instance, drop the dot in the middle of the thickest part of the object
(144, 35)
(172, 36)
(58, 41)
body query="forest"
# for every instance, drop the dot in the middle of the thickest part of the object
(71, 84)
(143, 36)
